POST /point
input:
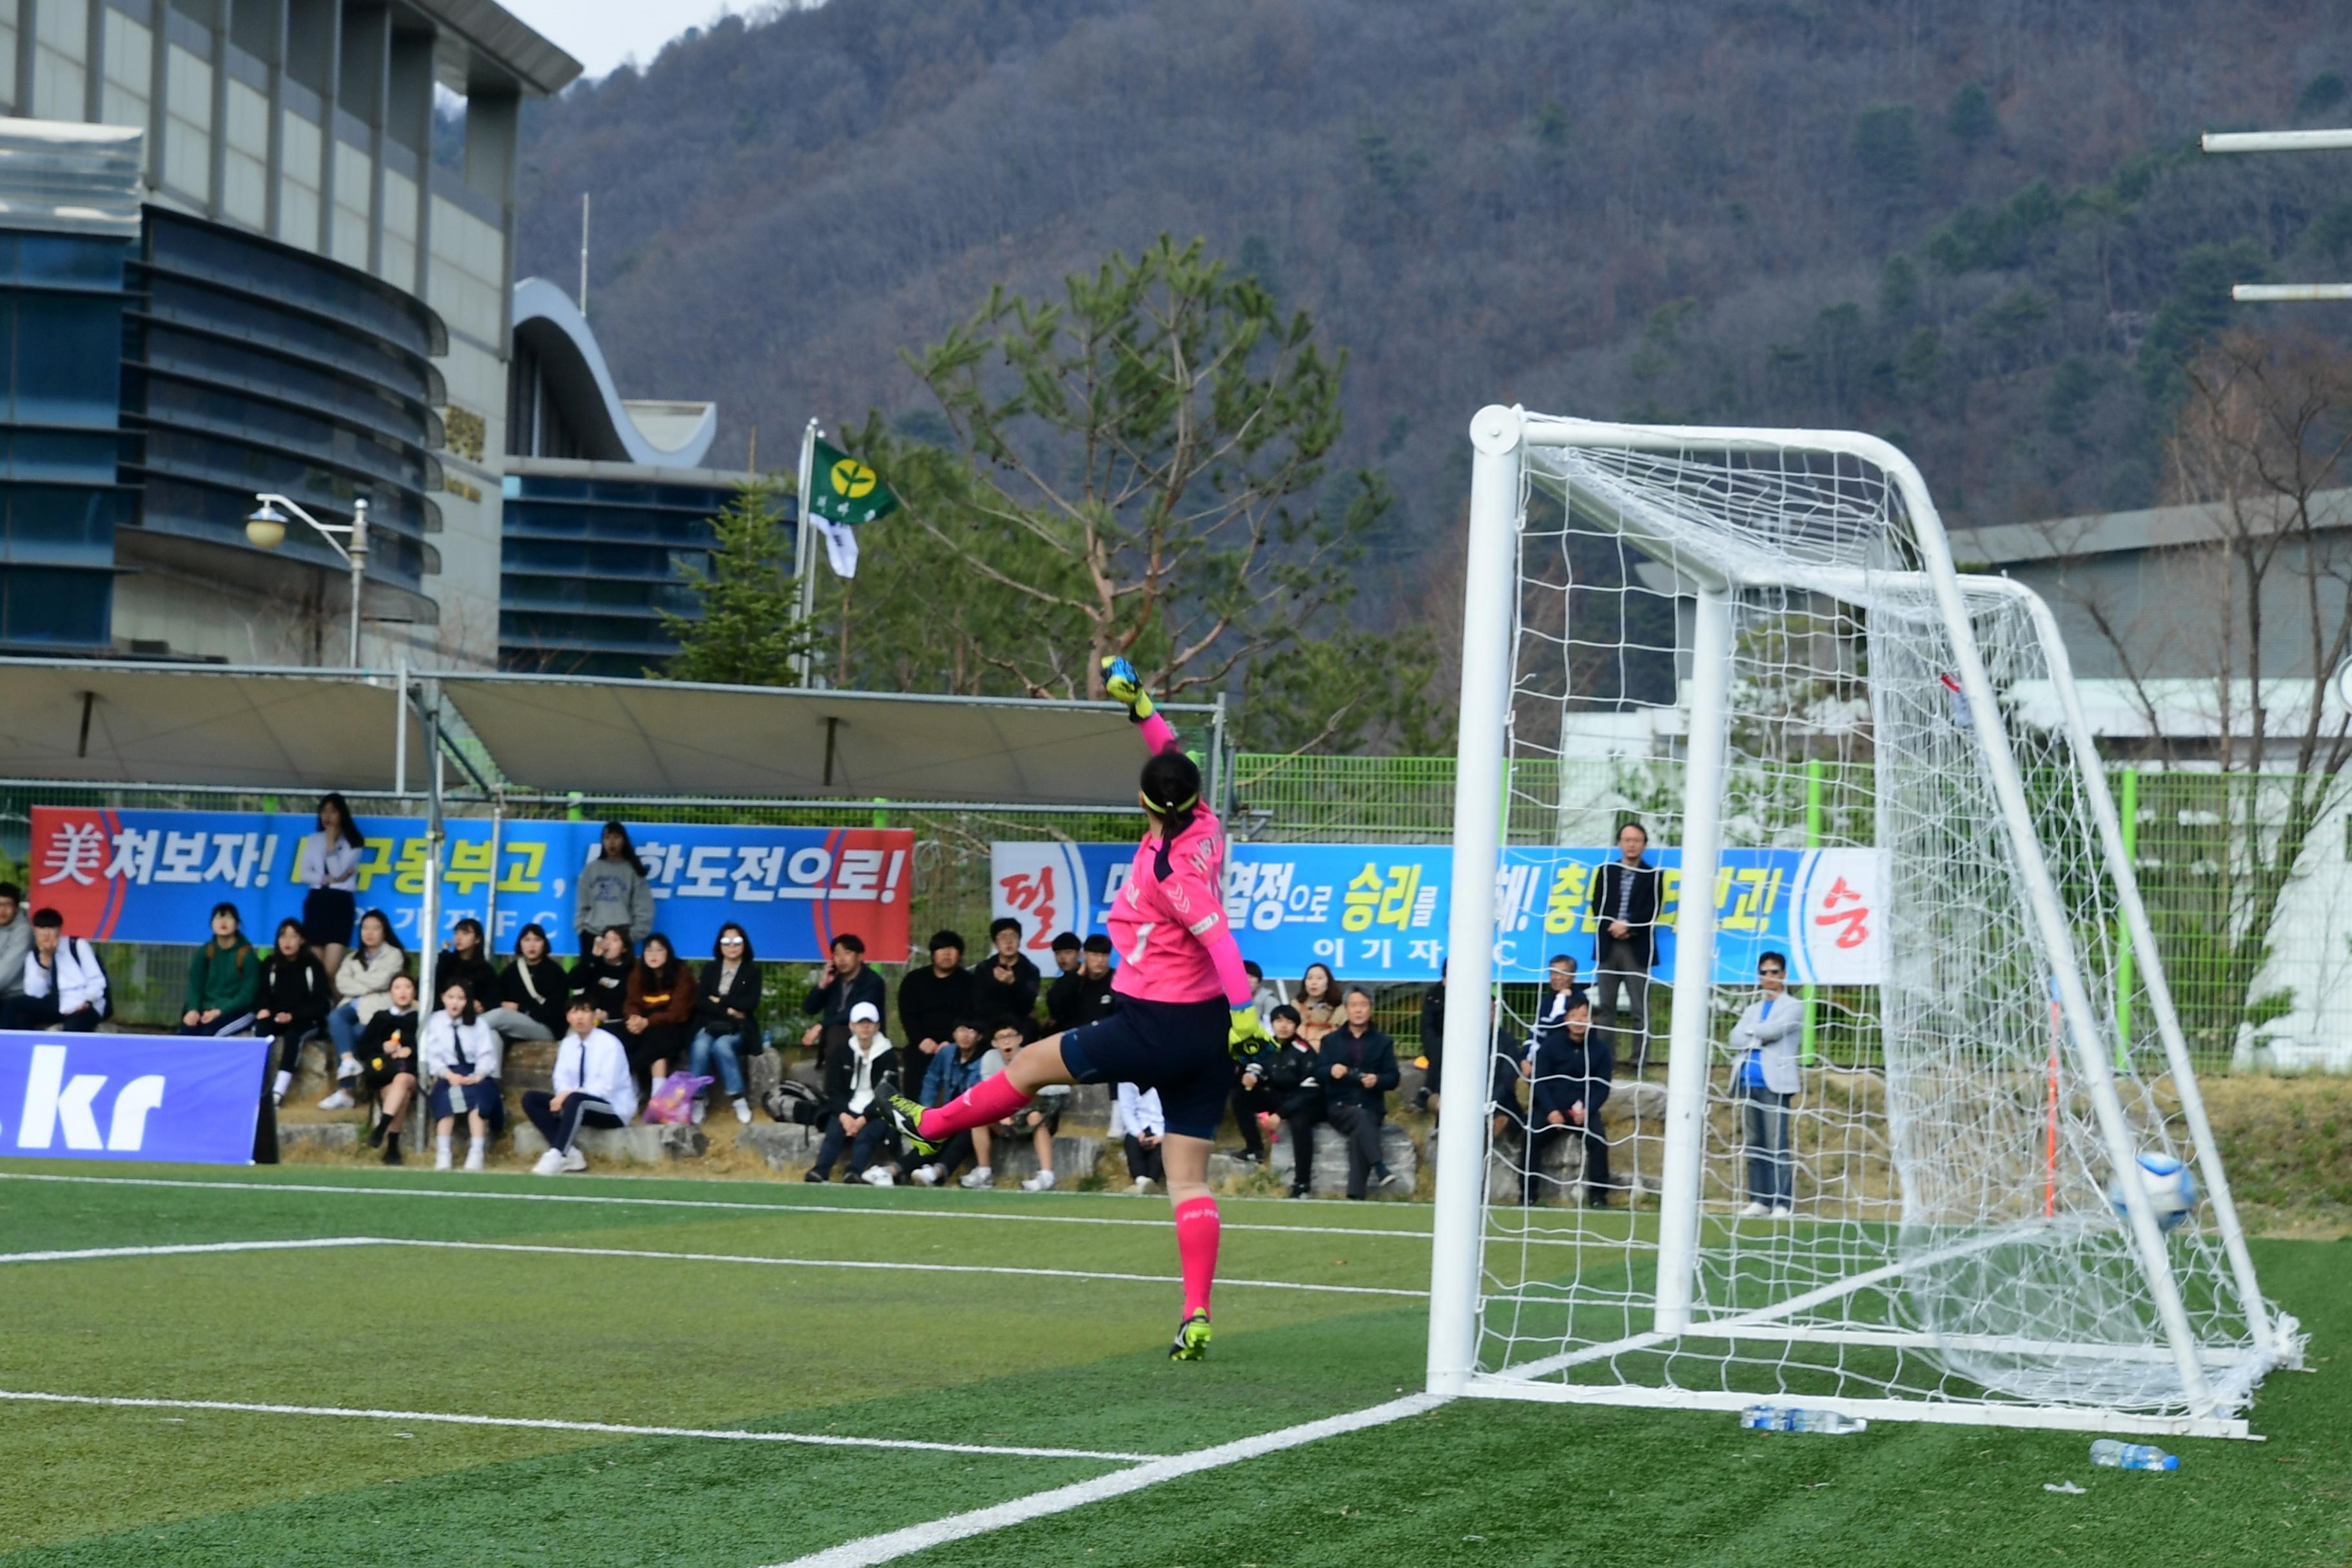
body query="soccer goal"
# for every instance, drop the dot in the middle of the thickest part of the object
(1757, 642)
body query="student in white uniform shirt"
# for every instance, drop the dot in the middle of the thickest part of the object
(462, 1057)
(1140, 1113)
(65, 985)
(592, 1088)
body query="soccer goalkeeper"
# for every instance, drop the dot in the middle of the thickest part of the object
(1185, 1009)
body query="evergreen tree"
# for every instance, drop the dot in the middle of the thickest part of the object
(749, 632)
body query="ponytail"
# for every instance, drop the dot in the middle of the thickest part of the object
(1172, 789)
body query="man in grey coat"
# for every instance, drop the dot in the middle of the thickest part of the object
(1764, 1082)
(15, 940)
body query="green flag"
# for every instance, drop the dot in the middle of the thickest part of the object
(842, 494)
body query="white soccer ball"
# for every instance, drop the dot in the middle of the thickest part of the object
(2171, 1186)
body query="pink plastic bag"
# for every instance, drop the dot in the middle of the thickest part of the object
(673, 1101)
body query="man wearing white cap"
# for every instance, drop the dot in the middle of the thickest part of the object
(861, 1073)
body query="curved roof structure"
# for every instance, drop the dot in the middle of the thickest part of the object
(613, 429)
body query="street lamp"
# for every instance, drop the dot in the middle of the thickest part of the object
(266, 529)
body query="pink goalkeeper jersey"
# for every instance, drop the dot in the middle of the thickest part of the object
(1170, 932)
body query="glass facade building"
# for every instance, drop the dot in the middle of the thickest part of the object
(593, 558)
(253, 366)
(64, 303)
(606, 508)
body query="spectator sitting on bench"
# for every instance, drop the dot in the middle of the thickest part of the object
(603, 974)
(657, 1022)
(362, 984)
(15, 941)
(462, 1055)
(965, 1061)
(857, 1077)
(726, 1018)
(593, 1088)
(1147, 1125)
(1042, 1117)
(1295, 1075)
(223, 977)
(65, 983)
(534, 992)
(387, 1058)
(291, 1005)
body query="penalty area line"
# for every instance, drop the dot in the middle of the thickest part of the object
(874, 1548)
(186, 1247)
(599, 1428)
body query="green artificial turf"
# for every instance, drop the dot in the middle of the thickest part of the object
(1030, 1356)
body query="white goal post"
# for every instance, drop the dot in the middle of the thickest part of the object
(1945, 1243)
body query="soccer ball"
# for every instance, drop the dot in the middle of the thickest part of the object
(2171, 1186)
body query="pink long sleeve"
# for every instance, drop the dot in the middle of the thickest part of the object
(1226, 955)
(1158, 735)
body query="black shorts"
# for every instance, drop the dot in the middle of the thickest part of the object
(1177, 1047)
(327, 916)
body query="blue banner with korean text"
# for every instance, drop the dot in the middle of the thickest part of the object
(155, 875)
(1382, 912)
(129, 1097)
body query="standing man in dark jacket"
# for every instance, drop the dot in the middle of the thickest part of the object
(1359, 1068)
(1625, 901)
(1570, 1064)
(841, 984)
(1008, 981)
(932, 1001)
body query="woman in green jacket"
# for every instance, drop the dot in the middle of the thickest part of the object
(223, 978)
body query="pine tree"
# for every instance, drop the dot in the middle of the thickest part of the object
(748, 633)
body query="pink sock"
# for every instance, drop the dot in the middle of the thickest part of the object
(1197, 1226)
(990, 1100)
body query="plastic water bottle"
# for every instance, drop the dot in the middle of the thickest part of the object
(2117, 1456)
(1792, 1418)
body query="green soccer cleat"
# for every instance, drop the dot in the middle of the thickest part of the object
(907, 1121)
(1191, 1339)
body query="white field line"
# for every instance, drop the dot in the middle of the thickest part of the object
(602, 1428)
(897, 1543)
(893, 1267)
(186, 1247)
(98, 1252)
(793, 1208)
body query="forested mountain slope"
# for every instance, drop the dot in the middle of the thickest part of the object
(1981, 227)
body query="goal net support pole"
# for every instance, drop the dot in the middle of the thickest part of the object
(1686, 1049)
(1488, 616)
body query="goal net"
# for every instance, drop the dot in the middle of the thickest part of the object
(1850, 758)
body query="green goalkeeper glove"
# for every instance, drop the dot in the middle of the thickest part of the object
(1125, 685)
(1247, 1039)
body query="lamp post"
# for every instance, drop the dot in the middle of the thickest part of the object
(266, 529)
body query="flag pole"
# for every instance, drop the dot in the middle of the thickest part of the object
(800, 564)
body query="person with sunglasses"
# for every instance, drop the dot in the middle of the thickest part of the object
(727, 1017)
(1764, 1084)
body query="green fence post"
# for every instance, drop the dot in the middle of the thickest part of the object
(572, 813)
(2127, 974)
(881, 817)
(1812, 841)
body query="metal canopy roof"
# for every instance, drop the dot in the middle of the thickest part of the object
(98, 721)
(657, 737)
(102, 722)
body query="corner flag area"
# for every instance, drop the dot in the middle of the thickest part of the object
(307, 1365)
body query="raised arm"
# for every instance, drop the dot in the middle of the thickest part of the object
(1121, 679)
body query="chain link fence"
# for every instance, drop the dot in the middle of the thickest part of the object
(2218, 855)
